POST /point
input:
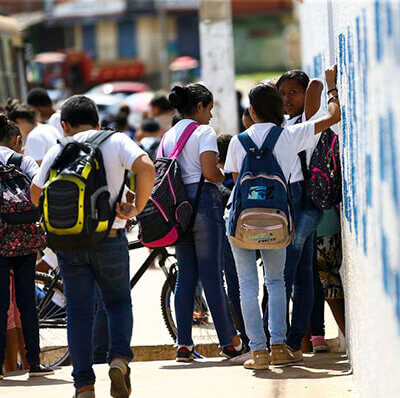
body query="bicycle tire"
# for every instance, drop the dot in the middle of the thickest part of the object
(51, 316)
(203, 330)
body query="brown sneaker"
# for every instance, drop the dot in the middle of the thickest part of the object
(282, 355)
(259, 361)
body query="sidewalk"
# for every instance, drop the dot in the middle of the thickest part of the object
(324, 376)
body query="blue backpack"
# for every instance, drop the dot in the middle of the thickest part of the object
(261, 212)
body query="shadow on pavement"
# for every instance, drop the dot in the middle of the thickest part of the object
(317, 366)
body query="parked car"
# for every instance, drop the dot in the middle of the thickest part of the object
(124, 88)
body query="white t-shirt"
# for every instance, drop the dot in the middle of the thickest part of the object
(119, 153)
(55, 121)
(292, 140)
(40, 140)
(28, 165)
(203, 139)
(297, 173)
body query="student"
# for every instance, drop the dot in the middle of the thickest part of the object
(23, 267)
(232, 281)
(301, 99)
(247, 121)
(40, 101)
(108, 265)
(162, 111)
(199, 253)
(39, 137)
(266, 110)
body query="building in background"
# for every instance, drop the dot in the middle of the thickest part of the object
(112, 31)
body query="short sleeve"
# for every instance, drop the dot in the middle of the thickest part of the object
(301, 136)
(233, 162)
(29, 166)
(35, 147)
(129, 151)
(208, 140)
(40, 178)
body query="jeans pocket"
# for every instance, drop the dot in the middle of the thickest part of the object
(113, 261)
(71, 263)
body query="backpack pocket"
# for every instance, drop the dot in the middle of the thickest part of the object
(262, 228)
(183, 215)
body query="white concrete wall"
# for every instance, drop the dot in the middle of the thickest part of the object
(363, 36)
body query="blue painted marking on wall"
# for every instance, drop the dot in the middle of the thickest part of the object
(368, 175)
(393, 160)
(389, 19)
(382, 151)
(378, 31)
(385, 261)
(365, 230)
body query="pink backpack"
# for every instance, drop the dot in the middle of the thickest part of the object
(168, 213)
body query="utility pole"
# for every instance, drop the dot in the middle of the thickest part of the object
(217, 62)
(163, 31)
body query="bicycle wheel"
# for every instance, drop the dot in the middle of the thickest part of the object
(50, 303)
(203, 330)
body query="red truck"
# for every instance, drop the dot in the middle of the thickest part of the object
(75, 70)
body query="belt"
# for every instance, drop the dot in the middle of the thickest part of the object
(115, 232)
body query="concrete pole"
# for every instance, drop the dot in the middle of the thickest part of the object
(163, 31)
(217, 63)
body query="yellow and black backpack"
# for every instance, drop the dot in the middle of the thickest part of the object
(76, 213)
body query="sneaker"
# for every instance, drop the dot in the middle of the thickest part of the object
(241, 359)
(40, 370)
(259, 360)
(1, 372)
(283, 355)
(84, 394)
(120, 379)
(230, 352)
(319, 344)
(183, 354)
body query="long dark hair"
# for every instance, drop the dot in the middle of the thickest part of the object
(186, 98)
(8, 129)
(267, 103)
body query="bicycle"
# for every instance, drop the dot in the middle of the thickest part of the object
(52, 316)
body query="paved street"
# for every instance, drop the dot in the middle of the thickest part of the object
(325, 376)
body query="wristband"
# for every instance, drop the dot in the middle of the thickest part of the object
(332, 98)
(332, 89)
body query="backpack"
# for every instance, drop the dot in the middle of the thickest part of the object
(323, 176)
(168, 213)
(20, 231)
(75, 200)
(261, 212)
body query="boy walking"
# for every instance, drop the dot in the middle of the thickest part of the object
(107, 265)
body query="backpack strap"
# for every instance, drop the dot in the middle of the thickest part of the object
(177, 149)
(272, 138)
(97, 139)
(64, 141)
(15, 159)
(247, 143)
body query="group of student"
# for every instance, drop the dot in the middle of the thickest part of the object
(203, 253)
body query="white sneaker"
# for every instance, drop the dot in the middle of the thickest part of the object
(241, 359)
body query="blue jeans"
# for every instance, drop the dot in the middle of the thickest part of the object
(317, 320)
(299, 264)
(24, 278)
(108, 267)
(274, 263)
(100, 337)
(199, 256)
(232, 284)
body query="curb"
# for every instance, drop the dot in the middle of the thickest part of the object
(141, 353)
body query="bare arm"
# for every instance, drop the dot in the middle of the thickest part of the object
(35, 194)
(313, 98)
(144, 171)
(333, 115)
(209, 168)
(235, 176)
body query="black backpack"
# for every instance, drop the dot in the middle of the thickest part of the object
(20, 232)
(76, 213)
(323, 176)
